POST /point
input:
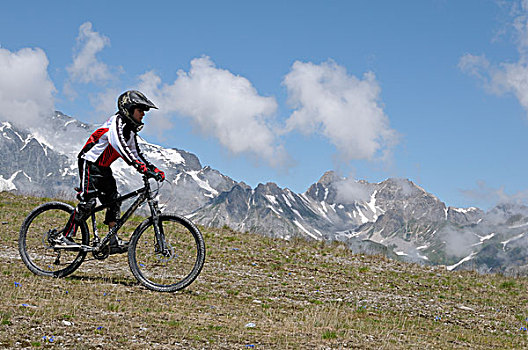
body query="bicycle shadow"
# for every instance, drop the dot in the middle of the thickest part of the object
(127, 282)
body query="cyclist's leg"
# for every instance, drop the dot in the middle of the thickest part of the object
(107, 187)
(108, 194)
(87, 196)
(87, 200)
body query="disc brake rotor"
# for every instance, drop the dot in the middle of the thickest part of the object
(166, 257)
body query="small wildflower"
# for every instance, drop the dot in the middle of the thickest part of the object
(25, 305)
(99, 328)
(142, 265)
(48, 339)
(17, 284)
(104, 294)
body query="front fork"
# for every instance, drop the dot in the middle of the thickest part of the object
(161, 246)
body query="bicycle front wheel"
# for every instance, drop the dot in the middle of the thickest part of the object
(178, 266)
(35, 242)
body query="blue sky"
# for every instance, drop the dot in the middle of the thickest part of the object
(435, 91)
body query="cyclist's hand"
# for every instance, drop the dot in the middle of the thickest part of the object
(141, 167)
(160, 175)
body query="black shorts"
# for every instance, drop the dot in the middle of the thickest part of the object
(98, 182)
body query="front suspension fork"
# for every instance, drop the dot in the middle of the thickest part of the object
(161, 246)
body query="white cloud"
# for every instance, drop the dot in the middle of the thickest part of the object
(344, 109)
(350, 191)
(161, 119)
(105, 102)
(505, 77)
(475, 66)
(499, 79)
(487, 196)
(519, 13)
(512, 78)
(86, 68)
(26, 91)
(221, 105)
(458, 242)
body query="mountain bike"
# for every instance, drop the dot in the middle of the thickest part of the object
(166, 252)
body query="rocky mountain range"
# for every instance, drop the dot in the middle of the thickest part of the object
(395, 217)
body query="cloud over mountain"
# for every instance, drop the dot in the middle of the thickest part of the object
(221, 105)
(343, 108)
(26, 90)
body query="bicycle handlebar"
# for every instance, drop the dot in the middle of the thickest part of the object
(152, 175)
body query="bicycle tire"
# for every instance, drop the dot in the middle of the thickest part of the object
(33, 246)
(167, 273)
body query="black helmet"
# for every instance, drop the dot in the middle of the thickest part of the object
(128, 101)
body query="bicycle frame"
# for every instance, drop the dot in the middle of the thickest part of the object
(143, 194)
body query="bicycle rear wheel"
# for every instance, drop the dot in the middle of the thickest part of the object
(35, 242)
(182, 262)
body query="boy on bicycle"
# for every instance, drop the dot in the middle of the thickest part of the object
(114, 139)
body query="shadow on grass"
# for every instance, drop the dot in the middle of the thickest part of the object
(127, 282)
(113, 280)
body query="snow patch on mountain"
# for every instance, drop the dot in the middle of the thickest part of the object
(467, 258)
(298, 224)
(512, 239)
(7, 184)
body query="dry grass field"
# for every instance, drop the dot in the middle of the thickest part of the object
(257, 293)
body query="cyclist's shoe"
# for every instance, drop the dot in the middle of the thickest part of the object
(117, 246)
(65, 242)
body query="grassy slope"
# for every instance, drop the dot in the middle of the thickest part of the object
(298, 294)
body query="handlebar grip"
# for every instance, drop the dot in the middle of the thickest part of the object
(152, 175)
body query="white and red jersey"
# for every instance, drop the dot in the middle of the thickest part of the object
(112, 140)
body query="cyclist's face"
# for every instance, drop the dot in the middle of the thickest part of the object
(138, 115)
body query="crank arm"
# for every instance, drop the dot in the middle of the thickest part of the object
(87, 248)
